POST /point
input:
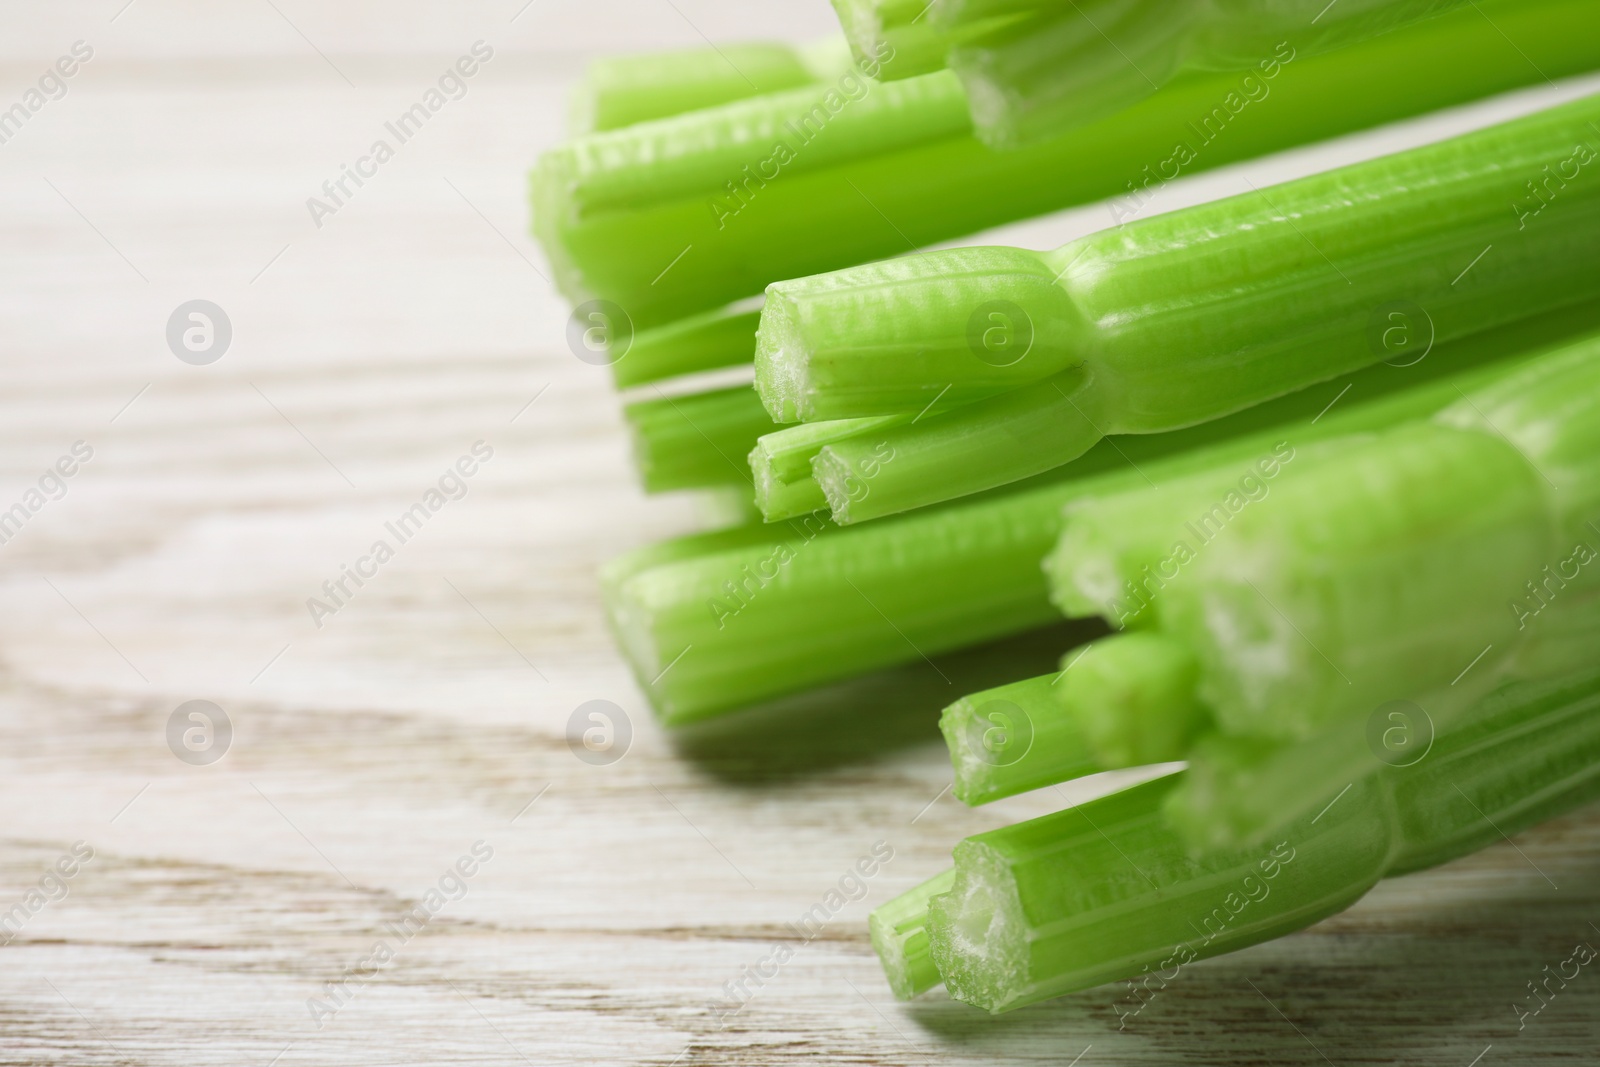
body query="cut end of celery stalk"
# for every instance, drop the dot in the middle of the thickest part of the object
(781, 364)
(901, 336)
(862, 24)
(832, 476)
(974, 767)
(781, 463)
(550, 184)
(1011, 739)
(1085, 579)
(977, 447)
(776, 498)
(900, 937)
(988, 735)
(978, 931)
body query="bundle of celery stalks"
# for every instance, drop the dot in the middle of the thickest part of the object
(1325, 456)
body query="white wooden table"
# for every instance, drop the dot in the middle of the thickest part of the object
(369, 755)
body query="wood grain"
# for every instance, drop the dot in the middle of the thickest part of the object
(371, 753)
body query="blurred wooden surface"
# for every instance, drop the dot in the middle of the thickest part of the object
(429, 714)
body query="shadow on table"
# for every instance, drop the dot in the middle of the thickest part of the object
(863, 719)
(1419, 972)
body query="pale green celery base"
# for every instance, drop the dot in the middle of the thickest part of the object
(1562, 637)
(1550, 412)
(1119, 553)
(1011, 739)
(1238, 39)
(898, 929)
(721, 507)
(1241, 791)
(1086, 577)
(828, 58)
(1531, 751)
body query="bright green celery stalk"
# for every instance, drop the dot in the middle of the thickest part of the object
(694, 440)
(1123, 554)
(780, 461)
(707, 341)
(1374, 568)
(1107, 890)
(1122, 701)
(1053, 67)
(1016, 738)
(1013, 738)
(913, 462)
(715, 622)
(1184, 317)
(1129, 699)
(645, 217)
(900, 939)
(1173, 320)
(619, 91)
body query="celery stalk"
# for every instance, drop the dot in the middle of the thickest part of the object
(695, 440)
(1188, 316)
(707, 341)
(1173, 320)
(663, 218)
(1383, 567)
(1107, 890)
(1051, 67)
(900, 939)
(1013, 738)
(994, 442)
(619, 91)
(1133, 697)
(781, 461)
(1121, 701)
(898, 33)
(709, 625)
